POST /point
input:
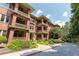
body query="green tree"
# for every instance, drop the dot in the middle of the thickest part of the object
(74, 30)
(61, 32)
(65, 31)
(55, 32)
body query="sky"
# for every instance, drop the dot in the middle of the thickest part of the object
(58, 13)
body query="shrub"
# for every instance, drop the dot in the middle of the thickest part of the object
(2, 39)
(46, 42)
(18, 45)
(51, 41)
(74, 40)
(32, 43)
(55, 33)
(58, 41)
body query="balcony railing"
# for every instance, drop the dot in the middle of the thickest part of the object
(42, 31)
(44, 24)
(16, 11)
(31, 30)
(20, 25)
(45, 31)
(39, 32)
(22, 13)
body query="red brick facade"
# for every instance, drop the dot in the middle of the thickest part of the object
(22, 24)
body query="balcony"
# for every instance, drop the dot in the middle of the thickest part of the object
(32, 31)
(45, 24)
(42, 24)
(22, 13)
(19, 26)
(45, 31)
(16, 11)
(42, 31)
(39, 32)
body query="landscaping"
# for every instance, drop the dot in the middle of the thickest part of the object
(2, 39)
(20, 44)
(17, 44)
(46, 42)
(50, 41)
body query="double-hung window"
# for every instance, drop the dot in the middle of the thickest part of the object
(4, 18)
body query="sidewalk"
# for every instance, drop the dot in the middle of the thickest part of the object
(31, 51)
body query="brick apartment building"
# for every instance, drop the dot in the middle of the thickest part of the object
(16, 21)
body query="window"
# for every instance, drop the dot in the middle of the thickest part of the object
(32, 27)
(0, 15)
(22, 9)
(4, 18)
(7, 19)
(44, 35)
(44, 21)
(4, 33)
(38, 28)
(45, 28)
(0, 32)
(11, 6)
(39, 21)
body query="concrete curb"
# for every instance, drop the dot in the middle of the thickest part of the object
(33, 51)
(52, 46)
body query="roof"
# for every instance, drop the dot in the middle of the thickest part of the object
(45, 18)
(33, 16)
(27, 6)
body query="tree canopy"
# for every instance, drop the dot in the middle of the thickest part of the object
(74, 30)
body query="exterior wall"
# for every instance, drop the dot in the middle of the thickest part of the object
(33, 25)
(3, 26)
(35, 30)
(10, 30)
(43, 31)
(49, 27)
(3, 11)
(27, 23)
(27, 37)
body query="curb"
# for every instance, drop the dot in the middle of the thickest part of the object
(34, 53)
(55, 45)
(31, 52)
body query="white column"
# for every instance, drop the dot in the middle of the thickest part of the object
(0, 17)
(5, 19)
(1, 33)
